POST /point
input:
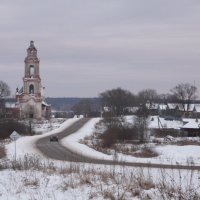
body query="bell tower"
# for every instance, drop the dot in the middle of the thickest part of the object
(30, 97)
(32, 81)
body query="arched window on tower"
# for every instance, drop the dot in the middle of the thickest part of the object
(31, 70)
(31, 89)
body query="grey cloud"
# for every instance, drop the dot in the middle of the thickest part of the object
(88, 46)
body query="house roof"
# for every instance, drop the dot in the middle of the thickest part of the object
(45, 103)
(159, 122)
(192, 123)
(197, 108)
(171, 106)
(10, 105)
(162, 106)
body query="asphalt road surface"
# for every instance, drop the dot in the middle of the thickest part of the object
(55, 150)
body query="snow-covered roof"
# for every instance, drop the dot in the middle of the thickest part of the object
(162, 106)
(191, 123)
(159, 122)
(10, 105)
(45, 103)
(197, 108)
(182, 107)
(191, 107)
(152, 106)
(106, 108)
(171, 106)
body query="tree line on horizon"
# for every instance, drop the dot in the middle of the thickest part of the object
(117, 99)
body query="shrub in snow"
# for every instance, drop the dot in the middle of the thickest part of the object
(2, 152)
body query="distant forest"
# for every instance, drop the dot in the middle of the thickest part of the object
(64, 103)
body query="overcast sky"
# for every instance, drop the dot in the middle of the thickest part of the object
(88, 46)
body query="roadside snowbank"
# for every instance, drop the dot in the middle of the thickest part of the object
(72, 142)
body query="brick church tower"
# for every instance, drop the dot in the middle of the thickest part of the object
(30, 98)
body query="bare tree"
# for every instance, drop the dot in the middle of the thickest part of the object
(141, 122)
(82, 108)
(147, 96)
(4, 92)
(185, 93)
(141, 125)
(87, 107)
(4, 89)
(165, 98)
(146, 99)
(117, 100)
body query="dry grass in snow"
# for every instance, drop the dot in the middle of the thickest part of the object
(31, 178)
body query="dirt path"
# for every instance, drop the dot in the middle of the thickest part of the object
(56, 151)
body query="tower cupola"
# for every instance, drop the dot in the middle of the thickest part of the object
(31, 53)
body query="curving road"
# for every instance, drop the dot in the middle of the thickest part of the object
(55, 150)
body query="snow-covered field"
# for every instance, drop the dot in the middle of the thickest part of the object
(46, 125)
(63, 180)
(98, 182)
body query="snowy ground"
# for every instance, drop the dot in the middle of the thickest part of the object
(83, 182)
(44, 126)
(26, 145)
(63, 180)
(168, 154)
